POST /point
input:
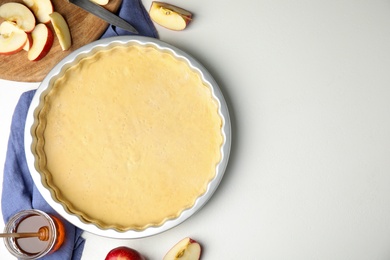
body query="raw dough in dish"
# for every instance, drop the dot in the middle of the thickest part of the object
(128, 137)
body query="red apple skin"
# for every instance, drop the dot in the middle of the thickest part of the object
(124, 253)
(47, 47)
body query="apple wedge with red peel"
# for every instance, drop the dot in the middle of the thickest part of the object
(12, 38)
(169, 16)
(61, 29)
(41, 9)
(29, 42)
(185, 249)
(18, 14)
(42, 41)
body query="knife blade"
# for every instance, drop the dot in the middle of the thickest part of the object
(104, 14)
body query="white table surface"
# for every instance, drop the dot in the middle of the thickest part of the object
(308, 87)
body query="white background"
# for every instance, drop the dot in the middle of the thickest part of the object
(308, 87)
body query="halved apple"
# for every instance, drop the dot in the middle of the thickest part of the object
(185, 249)
(18, 14)
(61, 29)
(169, 16)
(41, 8)
(42, 41)
(12, 38)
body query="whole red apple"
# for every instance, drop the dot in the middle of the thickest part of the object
(124, 253)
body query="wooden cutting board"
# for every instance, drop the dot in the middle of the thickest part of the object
(84, 28)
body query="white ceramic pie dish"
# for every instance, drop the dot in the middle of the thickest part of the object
(88, 50)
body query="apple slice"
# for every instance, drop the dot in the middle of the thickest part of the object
(185, 249)
(100, 2)
(169, 16)
(41, 8)
(29, 42)
(61, 29)
(42, 41)
(18, 14)
(12, 38)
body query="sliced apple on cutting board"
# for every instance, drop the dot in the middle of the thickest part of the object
(19, 14)
(41, 9)
(185, 249)
(12, 38)
(42, 41)
(28, 44)
(61, 29)
(169, 16)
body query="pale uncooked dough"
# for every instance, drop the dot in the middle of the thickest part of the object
(129, 137)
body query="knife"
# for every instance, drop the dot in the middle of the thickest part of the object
(104, 14)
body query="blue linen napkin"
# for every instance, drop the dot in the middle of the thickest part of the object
(19, 191)
(133, 12)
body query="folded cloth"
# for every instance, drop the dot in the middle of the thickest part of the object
(19, 192)
(133, 12)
